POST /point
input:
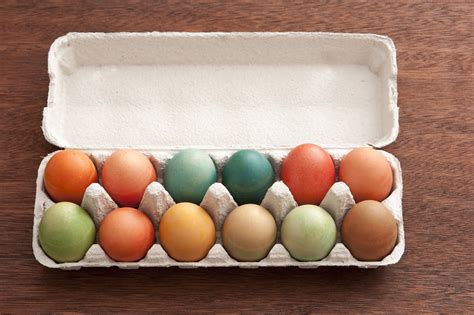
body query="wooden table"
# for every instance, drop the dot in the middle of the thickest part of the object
(434, 43)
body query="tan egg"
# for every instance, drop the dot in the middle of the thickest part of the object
(369, 231)
(249, 232)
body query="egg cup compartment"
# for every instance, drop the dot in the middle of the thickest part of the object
(218, 202)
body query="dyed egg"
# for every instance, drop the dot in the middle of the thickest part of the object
(309, 173)
(248, 175)
(187, 232)
(369, 231)
(68, 174)
(66, 232)
(125, 176)
(309, 233)
(367, 173)
(249, 232)
(189, 174)
(126, 234)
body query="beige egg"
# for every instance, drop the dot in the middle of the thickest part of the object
(249, 232)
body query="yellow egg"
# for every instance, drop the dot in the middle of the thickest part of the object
(187, 232)
(249, 233)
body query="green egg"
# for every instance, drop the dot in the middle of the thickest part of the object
(188, 175)
(248, 175)
(66, 232)
(309, 233)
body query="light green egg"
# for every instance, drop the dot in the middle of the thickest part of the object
(309, 233)
(188, 175)
(66, 232)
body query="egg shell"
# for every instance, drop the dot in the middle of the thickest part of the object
(309, 173)
(367, 173)
(248, 175)
(126, 234)
(66, 232)
(68, 174)
(309, 233)
(187, 232)
(249, 232)
(188, 175)
(125, 176)
(369, 231)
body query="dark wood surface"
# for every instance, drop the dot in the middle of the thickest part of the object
(434, 43)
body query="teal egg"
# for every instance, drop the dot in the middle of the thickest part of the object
(248, 175)
(309, 233)
(188, 175)
(66, 232)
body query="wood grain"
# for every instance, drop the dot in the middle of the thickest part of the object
(434, 43)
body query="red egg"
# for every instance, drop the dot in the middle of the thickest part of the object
(68, 174)
(125, 176)
(309, 173)
(367, 173)
(126, 234)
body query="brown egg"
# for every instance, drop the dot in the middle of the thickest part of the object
(369, 231)
(249, 233)
(367, 173)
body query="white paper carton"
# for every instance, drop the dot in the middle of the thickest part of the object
(161, 92)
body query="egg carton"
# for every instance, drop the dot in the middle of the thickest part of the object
(218, 202)
(161, 92)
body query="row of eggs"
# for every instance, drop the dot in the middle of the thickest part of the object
(308, 171)
(186, 230)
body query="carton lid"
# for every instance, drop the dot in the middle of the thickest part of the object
(221, 90)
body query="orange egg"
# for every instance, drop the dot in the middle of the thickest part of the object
(126, 234)
(68, 174)
(125, 176)
(367, 173)
(187, 232)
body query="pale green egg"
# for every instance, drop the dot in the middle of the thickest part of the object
(66, 232)
(308, 232)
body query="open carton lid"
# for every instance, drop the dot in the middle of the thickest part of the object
(159, 91)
